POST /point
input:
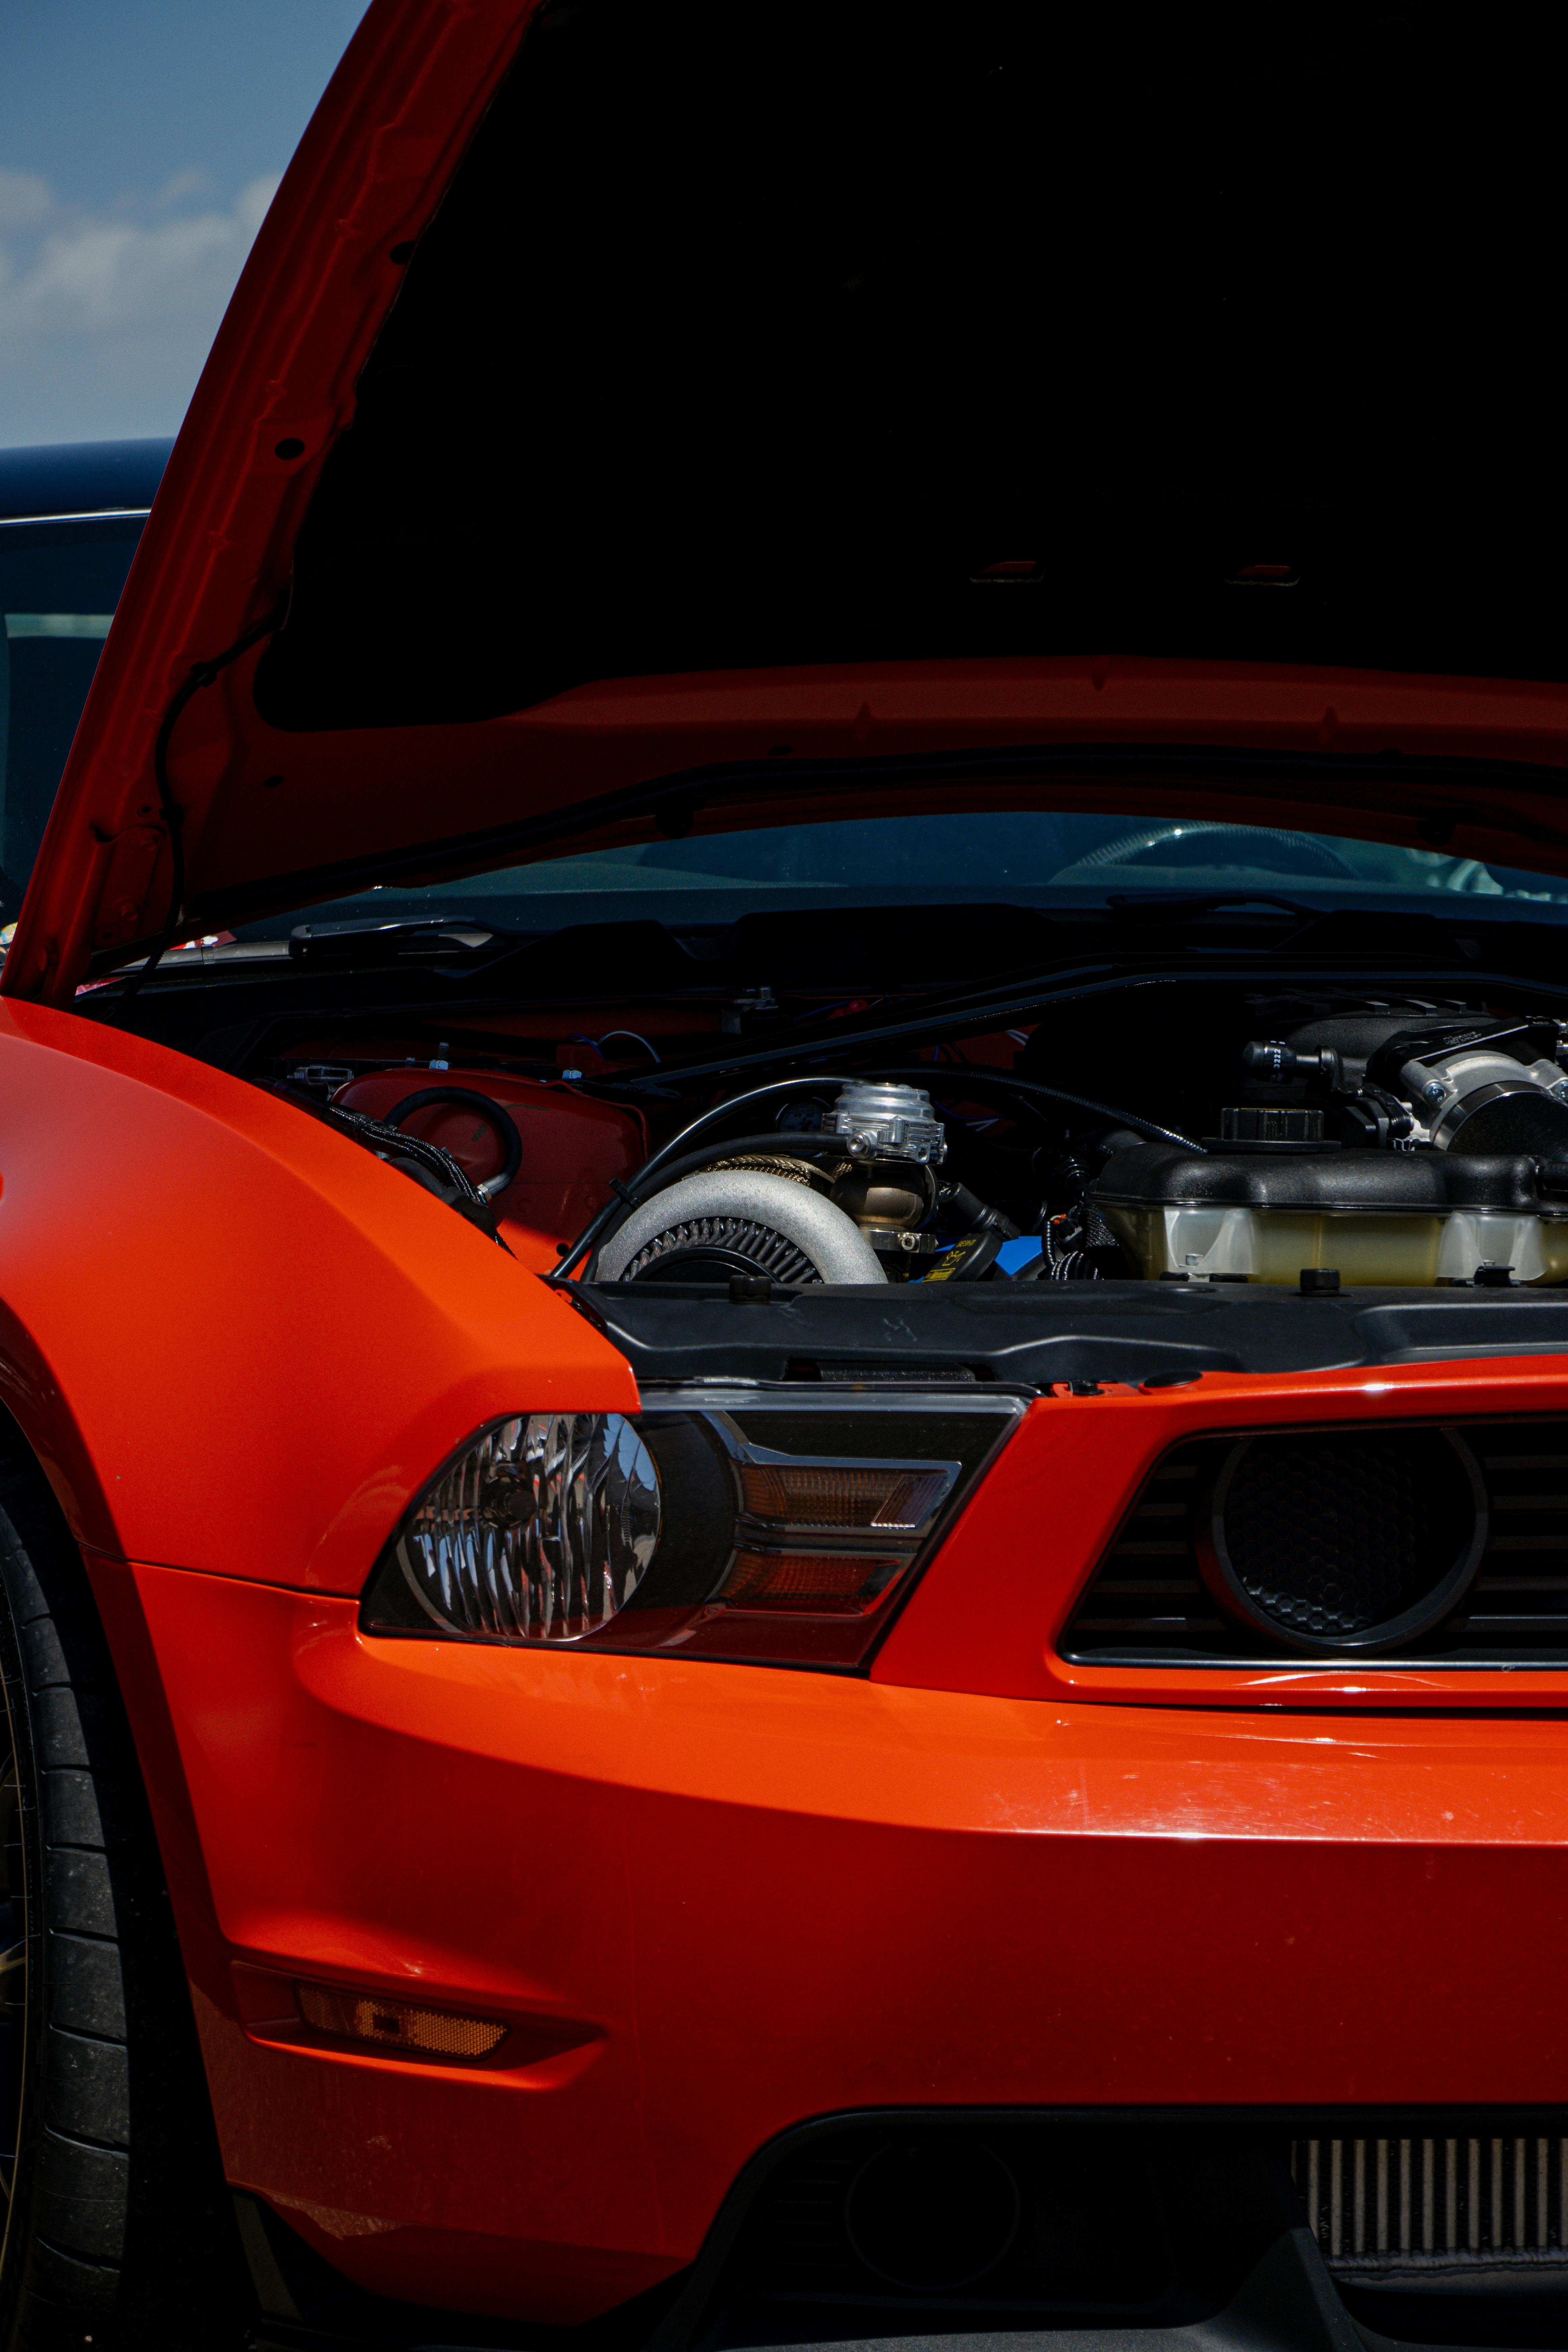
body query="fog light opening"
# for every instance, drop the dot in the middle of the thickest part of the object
(1341, 1541)
(932, 2216)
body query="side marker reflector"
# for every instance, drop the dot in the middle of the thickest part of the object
(397, 2024)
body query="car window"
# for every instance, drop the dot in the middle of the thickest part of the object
(60, 583)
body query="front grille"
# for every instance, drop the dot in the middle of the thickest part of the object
(1149, 1605)
(1401, 2208)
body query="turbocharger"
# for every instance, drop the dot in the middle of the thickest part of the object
(838, 1205)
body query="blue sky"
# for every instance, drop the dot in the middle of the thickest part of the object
(140, 144)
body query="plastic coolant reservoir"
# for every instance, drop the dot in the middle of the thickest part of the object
(1261, 1213)
(1375, 1247)
(573, 1147)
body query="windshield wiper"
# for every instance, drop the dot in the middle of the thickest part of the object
(339, 947)
(370, 939)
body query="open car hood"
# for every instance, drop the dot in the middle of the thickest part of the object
(571, 466)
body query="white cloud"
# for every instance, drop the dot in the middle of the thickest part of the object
(24, 200)
(181, 187)
(105, 318)
(97, 278)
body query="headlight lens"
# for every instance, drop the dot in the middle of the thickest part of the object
(540, 1530)
(719, 1524)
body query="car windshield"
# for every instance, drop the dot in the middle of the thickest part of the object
(60, 583)
(1056, 860)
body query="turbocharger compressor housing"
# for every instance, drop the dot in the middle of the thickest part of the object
(726, 1220)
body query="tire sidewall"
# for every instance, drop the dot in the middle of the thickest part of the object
(16, 2229)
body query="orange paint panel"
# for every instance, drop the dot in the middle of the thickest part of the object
(237, 1339)
(1057, 1903)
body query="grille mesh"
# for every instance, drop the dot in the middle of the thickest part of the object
(1336, 1530)
(1383, 2206)
(1148, 1605)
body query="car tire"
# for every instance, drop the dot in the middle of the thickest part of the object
(118, 2229)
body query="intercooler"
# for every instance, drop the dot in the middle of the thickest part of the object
(1449, 2207)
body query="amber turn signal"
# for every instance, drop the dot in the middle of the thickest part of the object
(843, 1494)
(397, 2024)
(833, 1585)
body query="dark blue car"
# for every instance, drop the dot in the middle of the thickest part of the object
(69, 520)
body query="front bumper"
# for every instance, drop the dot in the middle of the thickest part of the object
(716, 1902)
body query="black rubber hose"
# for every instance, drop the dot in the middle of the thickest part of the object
(466, 1099)
(936, 1076)
(974, 1211)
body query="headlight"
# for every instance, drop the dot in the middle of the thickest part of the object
(538, 1531)
(737, 1525)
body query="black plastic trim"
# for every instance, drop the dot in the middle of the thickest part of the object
(1266, 2281)
(1031, 1335)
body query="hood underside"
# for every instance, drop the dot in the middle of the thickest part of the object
(620, 398)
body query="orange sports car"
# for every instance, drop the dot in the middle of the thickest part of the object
(783, 1214)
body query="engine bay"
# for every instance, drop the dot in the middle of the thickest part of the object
(1165, 1136)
